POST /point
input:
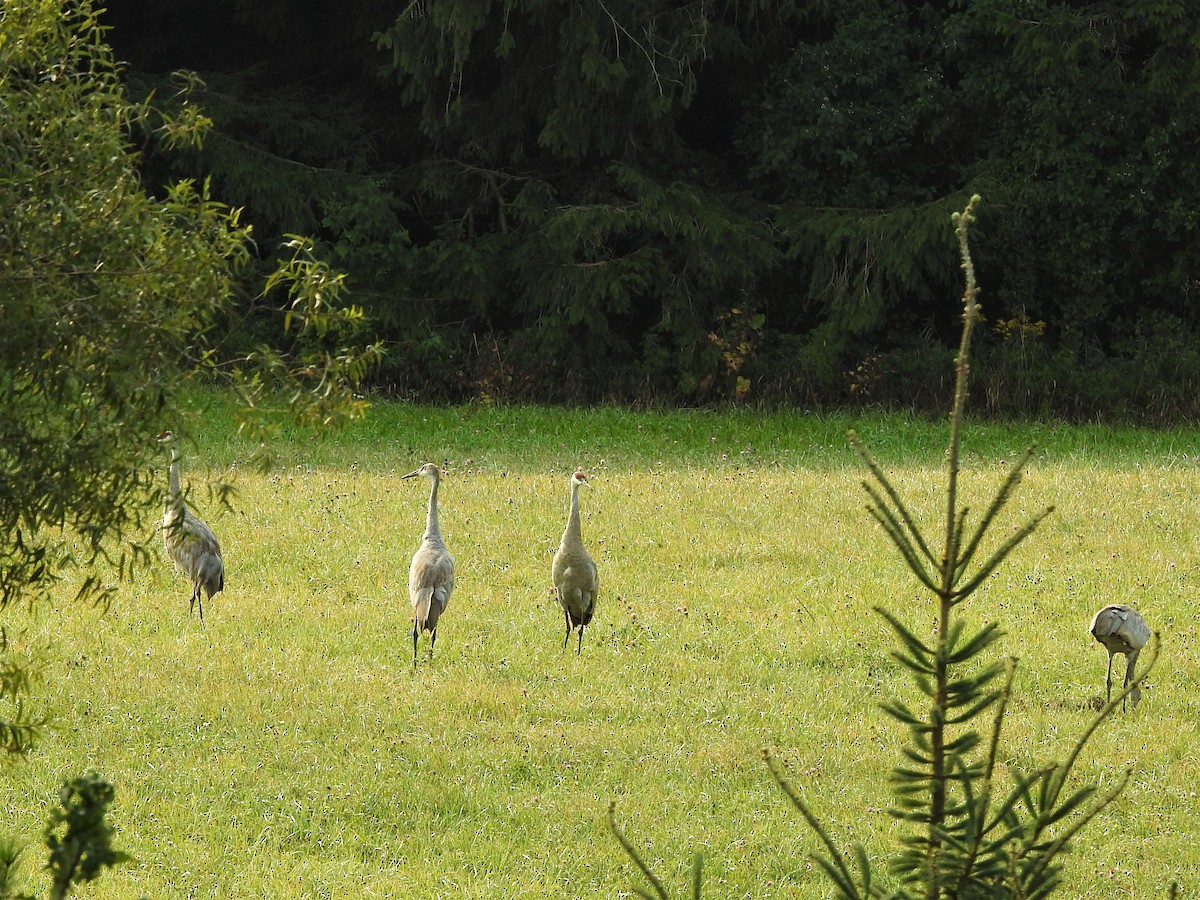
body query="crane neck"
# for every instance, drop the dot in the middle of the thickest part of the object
(173, 492)
(573, 531)
(432, 530)
(175, 508)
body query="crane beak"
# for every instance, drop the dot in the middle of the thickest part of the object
(411, 475)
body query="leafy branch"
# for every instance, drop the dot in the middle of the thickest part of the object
(78, 837)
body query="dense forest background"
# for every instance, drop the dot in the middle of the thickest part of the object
(654, 201)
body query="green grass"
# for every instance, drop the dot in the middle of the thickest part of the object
(287, 748)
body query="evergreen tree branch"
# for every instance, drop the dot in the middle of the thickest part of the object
(1000, 554)
(1042, 863)
(904, 514)
(982, 640)
(978, 821)
(632, 853)
(892, 525)
(920, 651)
(946, 568)
(1007, 487)
(835, 865)
(1065, 769)
(971, 314)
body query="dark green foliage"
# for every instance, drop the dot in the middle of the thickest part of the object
(542, 199)
(1081, 104)
(78, 837)
(530, 219)
(572, 231)
(10, 855)
(615, 74)
(1060, 113)
(298, 142)
(857, 267)
(858, 121)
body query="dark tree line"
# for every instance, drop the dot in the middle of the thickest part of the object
(691, 202)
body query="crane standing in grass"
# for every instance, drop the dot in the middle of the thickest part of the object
(1121, 630)
(189, 542)
(576, 581)
(431, 575)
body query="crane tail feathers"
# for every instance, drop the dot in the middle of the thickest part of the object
(421, 605)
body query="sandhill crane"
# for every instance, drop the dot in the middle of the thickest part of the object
(576, 581)
(431, 575)
(1121, 630)
(189, 542)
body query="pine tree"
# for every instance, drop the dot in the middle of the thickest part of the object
(969, 836)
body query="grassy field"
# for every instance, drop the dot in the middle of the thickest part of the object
(287, 748)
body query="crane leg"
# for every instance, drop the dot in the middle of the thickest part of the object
(1108, 680)
(1136, 694)
(579, 647)
(415, 632)
(567, 636)
(432, 642)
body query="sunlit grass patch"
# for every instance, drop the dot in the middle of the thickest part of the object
(287, 747)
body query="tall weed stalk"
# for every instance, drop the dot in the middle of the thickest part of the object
(970, 836)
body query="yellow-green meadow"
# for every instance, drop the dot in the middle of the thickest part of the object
(287, 747)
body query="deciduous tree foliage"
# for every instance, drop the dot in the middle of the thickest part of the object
(110, 300)
(540, 198)
(105, 291)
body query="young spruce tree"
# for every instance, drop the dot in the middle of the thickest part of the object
(970, 837)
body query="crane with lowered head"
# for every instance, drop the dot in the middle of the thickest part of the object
(1121, 629)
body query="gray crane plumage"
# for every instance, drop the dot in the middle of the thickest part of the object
(1121, 629)
(189, 542)
(431, 575)
(576, 581)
